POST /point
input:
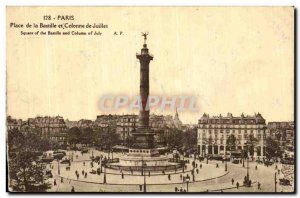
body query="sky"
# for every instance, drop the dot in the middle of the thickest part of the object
(233, 59)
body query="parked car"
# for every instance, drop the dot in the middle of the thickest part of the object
(49, 173)
(201, 158)
(93, 171)
(47, 159)
(65, 161)
(284, 182)
(58, 156)
(84, 150)
(269, 163)
(289, 161)
(56, 152)
(235, 161)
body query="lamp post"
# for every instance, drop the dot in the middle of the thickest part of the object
(58, 167)
(104, 178)
(187, 180)
(225, 162)
(248, 177)
(183, 164)
(101, 163)
(194, 171)
(143, 165)
(275, 183)
(243, 156)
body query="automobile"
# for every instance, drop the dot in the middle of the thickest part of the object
(289, 161)
(217, 157)
(259, 161)
(49, 173)
(84, 150)
(269, 163)
(93, 171)
(284, 182)
(58, 156)
(96, 159)
(47, 159)
(56, 152)
(65, 161)
(201, 158)
(235, 161)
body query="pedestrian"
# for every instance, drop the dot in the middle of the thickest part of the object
(276, 167)
(197, 170)
(176, 189)
(250, 182)
(149, 174)
(85, 176)
(184, 190)
(169, 177)
(258, 186)
(232, 181)
(62, 180)
(256, 167)
(278, 171)
(141, 187)
(76, 172)
(217, 165)
(237, 185)
(73, 189)
(180, 176)
(122, 175)
(181, 190)
(54, 182)
(200, 165)
(77, 176)
(82, 172)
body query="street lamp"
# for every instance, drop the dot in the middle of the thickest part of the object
(101, 156)
(143, 173)
(104, 178)
(183, 163)
(187, 180)
(58, 167)
(275, 182)
(225, 162)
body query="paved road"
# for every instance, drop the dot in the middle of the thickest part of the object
(219, 179)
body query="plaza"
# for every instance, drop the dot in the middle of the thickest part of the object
(210, 178)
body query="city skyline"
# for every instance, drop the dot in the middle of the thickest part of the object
(231, 67)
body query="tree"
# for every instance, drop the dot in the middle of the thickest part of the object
(26, 173)
(251, 142)
(25, 169)
(74, 135)
(189, 140)
(273, 149)
(87, 136)
(231, 142)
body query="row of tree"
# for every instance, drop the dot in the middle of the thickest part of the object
(26, 172)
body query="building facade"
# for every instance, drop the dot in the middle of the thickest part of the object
(282, 132)
(214, 131)
(53, 128)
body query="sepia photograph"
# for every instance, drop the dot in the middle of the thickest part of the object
(150, 99)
